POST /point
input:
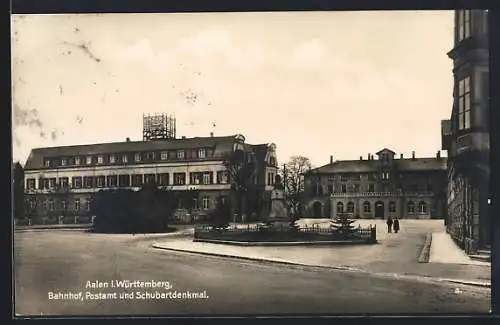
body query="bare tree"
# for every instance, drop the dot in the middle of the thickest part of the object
(240, 169)
(292, 174)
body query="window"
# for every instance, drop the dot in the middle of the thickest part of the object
(77, 204)
(385, 175)
(367, 207)
(371, 188)
(51, 205)
(46, 183)
(422, 207)
(344, 188)
(179, 178)
(112, 181)
(101, 180)
(112, 159)
(207, 178)
(464, 104)
(411, 207)
(77, 182)
(330, 189)
(392, 206)
(88, 181)
(63, 205)
(180, 154)
(356, 188)
(52, 182)
(464, 24)
(64, 182)
(137, 157)
(331, 178)
(89, 160)
(180, 203)
(162, 179)
(47, 163)
(100, 159)
(124, 180)
(63, 162)
(124, 159)
(221, 177)
(44, 205)
(344, 178)
(164, 155)
(150, 156)
(206, 202)
(340, 207)
(88, 204)
(32, 204)
(77, 160)
(137, 180)
(149, 178)
(30, 183)
(195, 178)
(350, 207)
(201, 153)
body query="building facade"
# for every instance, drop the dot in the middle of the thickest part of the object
(378, 188)
(466, 134)
(60, 181)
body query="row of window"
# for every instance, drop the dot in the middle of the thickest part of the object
(49, 205)
(355, 188)
(422, 207)
(126, 180)
(125, 158)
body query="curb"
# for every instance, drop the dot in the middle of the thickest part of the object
(245, 258)
(318, 243)
(340, 268)
(426, 250)
(51, 228)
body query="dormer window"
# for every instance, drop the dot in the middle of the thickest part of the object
(77, 160)
(137, 157)
(125, 158)
(464, 24)
(63, 162)
(164, 155)
(89, 160)
(180, 154)
(201, 153)
(112, 159)
(100, 159)
(47, 163)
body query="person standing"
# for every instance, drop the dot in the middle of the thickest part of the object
(396, 225)
(389, 225)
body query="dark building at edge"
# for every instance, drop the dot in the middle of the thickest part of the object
(465, 135)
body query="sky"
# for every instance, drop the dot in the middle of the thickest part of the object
(317, 84)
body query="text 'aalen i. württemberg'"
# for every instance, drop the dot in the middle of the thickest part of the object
(127, 290)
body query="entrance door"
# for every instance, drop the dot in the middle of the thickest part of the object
(379, 210)
(317, 209)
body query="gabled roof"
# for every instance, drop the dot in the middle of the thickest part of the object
(220, 145)
(385, 150)
(366, 166)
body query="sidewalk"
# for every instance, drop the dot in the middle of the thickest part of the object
(55, 226)
(394, 255)
(444, 250)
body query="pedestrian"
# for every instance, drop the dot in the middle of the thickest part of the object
(396, 225)
(389, 225)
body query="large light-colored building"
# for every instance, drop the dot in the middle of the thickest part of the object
(59, 181)
(466, 133)
(378, 188)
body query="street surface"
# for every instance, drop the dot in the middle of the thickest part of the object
(58, 262)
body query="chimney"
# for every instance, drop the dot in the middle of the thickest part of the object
(211, 134)
(413, 155)
(438, 154)
(360, 157)
(128, 139)
(331, 159)
(369, 157)
(401, 156)
(183, 137)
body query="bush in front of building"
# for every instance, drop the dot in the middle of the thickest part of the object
(126, 211)
(221, 215)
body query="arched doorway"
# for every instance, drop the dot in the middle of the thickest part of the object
(317, 210)
(379, 210)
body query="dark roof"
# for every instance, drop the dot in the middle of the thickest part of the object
(220, 145)
(365, 166)
(385, 150)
